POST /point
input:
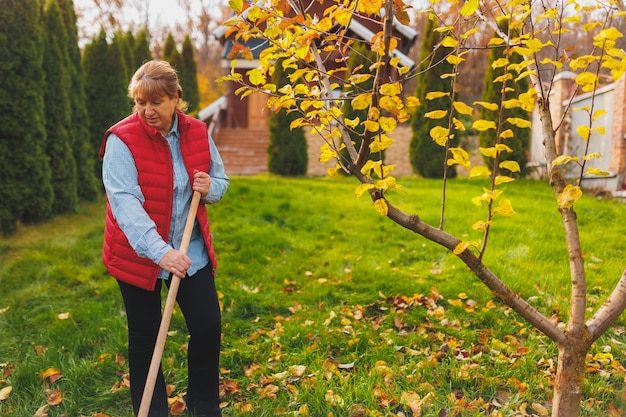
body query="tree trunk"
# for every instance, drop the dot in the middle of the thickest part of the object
(569, 377)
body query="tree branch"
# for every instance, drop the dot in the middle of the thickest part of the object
(499, 289)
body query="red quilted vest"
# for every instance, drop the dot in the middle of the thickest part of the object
(151, 155)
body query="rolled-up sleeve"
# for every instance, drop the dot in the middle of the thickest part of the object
(219, 179)
(121, 183)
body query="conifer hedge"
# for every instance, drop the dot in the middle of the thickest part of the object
(492, 93)
(25, 187)
(288, 149)
(426, 156)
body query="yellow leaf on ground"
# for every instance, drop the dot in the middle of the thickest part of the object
(5, 392)
(41, 411)
(51, 373)
(540, 409)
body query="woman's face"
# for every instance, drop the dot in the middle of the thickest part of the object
(157, 112)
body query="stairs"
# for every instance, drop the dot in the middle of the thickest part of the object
(244, 151)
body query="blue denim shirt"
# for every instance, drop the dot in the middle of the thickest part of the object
(120, 179)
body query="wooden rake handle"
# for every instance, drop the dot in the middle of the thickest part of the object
(153, 371)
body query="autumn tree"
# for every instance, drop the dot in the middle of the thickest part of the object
(298, 35)
(58, 119)
(25, 188)
(427, 156)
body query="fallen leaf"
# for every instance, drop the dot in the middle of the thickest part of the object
(5, 392)
(42, 411)
(244, 407)
(8, 370)
(40, 350)
(297, 370)
(269, 391)
(249, 370)
(303, 410)
(4, 310)
(120, 359)
(333, 399)
(102, 358)
(178, 406)
(52, 374)
(231, 386)
(540, 409)
(55, 397)
(63, 316)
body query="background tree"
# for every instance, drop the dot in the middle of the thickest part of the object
(58, 119)
(141, 50)
(106, 89)
(538, 43)
(197, 19)
(427, 157)
(25, 189)
(119, 47)
(499, 92)
(84, 154)
(128, 51)
(287, 152)
(188, 75)
(170, 52)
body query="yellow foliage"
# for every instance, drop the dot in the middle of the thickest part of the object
(436, 94)
(487, 105)
(504, 208)
(462, 108)
(362, 101)
(362, 188)
(371, 125)
(449, 42)
(391, 89)
(482, 125)
(569, 196)
(506, 134)
(440, 135)
(380, 143)
(584, 132)
(387, 124)
(454, 59)
(469, 7)
(436, 114)
(521, 123)
(479, 171)
(512, 166)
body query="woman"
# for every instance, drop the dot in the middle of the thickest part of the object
(153, 161)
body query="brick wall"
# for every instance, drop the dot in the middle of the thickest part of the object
(618, 131)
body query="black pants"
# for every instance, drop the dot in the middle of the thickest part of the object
(197, 298)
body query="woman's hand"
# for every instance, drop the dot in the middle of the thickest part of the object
(201, 182)
(176, 262)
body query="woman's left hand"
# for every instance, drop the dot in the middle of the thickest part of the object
(201, 182)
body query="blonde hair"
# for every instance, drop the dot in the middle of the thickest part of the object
(155, 79)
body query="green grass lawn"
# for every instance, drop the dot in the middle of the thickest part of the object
(328, 308)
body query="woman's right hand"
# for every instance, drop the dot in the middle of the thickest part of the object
(175, 262)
